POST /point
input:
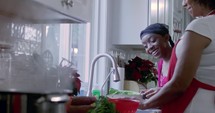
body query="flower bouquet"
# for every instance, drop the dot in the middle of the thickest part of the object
(141, 70)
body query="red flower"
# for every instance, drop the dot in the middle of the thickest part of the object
(140, 70)
(155, 71)
(136, 75)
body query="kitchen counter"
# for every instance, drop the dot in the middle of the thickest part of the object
(149, 111)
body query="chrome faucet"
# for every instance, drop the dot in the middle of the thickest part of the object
(116, 77)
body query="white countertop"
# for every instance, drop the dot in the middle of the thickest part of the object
(149, 111)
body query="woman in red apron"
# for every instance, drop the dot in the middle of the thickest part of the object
(191, 86)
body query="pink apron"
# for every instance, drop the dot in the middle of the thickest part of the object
(162, 80)
(181, 103)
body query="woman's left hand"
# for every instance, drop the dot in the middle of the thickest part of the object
(149, 92)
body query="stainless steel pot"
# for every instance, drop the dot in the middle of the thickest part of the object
(54, 103)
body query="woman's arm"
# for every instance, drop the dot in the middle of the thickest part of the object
(188, 52)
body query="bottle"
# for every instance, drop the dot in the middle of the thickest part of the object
(96, 91)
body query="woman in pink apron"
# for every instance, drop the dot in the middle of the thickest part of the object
(157, 42)
(191, 86)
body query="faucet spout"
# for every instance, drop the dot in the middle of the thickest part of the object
(116, 77)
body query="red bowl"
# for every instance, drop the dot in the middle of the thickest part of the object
(125, 105)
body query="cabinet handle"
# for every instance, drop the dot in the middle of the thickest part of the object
(68, 3)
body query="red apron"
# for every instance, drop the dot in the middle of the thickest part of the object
(181, 103)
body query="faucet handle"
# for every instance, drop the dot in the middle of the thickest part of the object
(116, 77)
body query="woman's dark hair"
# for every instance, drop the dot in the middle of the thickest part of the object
(207, 3)
(157, 28)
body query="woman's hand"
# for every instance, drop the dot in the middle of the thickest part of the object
(149, 92)
(80, 104)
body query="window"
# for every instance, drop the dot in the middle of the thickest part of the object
(73, 44)
(52, 42)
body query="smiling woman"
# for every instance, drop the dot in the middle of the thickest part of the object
(157, 42)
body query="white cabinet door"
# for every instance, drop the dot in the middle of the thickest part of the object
(57, 11)
(78, 9)
(128, 18)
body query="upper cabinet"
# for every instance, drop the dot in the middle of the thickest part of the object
(63, 11)
(127, 19)
(80, 10)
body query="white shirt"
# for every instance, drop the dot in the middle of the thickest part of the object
(204, 100)
(206, 26)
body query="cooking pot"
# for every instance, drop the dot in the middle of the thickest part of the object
(54, 103)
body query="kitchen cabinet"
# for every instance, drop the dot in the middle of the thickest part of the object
(77, 9)
(57, 11)
(160, 11)
(127, 19)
